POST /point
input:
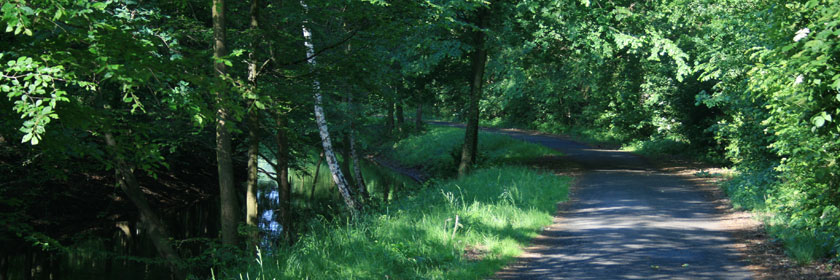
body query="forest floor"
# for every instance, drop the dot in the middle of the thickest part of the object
(637, 218)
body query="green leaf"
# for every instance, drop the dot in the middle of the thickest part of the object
(99, 5)
(819, 121)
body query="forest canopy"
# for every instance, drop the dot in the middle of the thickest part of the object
(197, 94)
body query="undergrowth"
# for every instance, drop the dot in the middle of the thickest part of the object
(808, 233)
(438, 151)
(459, 229)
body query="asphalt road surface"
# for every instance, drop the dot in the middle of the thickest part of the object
(626, 220)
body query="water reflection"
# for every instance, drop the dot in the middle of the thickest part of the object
(269, 227)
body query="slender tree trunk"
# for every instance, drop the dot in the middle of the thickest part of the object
(418, 119)
(153, 225)
(400, 114)
(27, 265)
(227, 189)
(320, 118)
(345, 160)
(478, 61)
(357, 169)
(315, 178)
(282, 169)
(4, 267)
(251, 205)
(389, 118)
(400, 117)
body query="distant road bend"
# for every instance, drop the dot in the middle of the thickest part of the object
(627, 220)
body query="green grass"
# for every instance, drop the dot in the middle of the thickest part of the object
(438, 151)
(498, 210)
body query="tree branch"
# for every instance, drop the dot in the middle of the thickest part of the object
(334, 45)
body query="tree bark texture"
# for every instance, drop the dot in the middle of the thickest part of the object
(282, 169)
(357, 169)
(251, 205)
(227, 189)
(345, 160)
(154, 226)
(389, 118)
(400, 117)
(400, 114)
(323, 129)
(477, 61)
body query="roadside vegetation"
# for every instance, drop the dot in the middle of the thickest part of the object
(438, 151)
(463, 228)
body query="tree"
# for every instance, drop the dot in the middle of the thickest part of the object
(251, 207)
(227, 187)
(329, 154)
(478, 60)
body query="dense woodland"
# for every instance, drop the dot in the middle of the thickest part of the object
(121, 109)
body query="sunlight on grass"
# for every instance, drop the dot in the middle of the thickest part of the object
(438, 151)
(497, 210)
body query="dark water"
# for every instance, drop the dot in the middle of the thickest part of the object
(125, 252)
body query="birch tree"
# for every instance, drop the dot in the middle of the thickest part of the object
(323, 129)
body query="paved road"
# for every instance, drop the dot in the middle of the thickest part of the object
(627, 220)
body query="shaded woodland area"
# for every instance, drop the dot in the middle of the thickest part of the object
(160, 133)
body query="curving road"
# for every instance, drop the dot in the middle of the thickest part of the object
(626, 220)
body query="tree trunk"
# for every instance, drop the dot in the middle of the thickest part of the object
(4, 266)
(154, 226)
(282, 169)
(400, 114)
(400, 117)
(227, 189)
(345, 159)
(389, 118)
(27, 265)
(418, 118)
(320, 118)
(357, 169)
(251, 205)
(315, 178)
(478, 60)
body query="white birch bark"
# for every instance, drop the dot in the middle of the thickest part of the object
(320, 118)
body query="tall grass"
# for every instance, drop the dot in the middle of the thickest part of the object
(497, 210)
(438, 151)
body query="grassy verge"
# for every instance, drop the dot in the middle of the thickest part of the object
(808, 233)
(438, 151)
(498, 210)
(448, 229)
